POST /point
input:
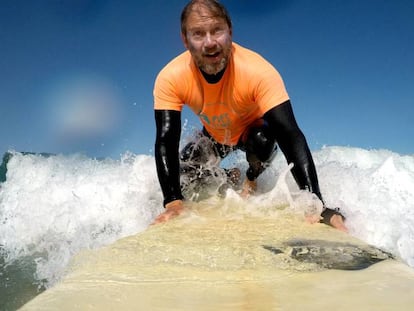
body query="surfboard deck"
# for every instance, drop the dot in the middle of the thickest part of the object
(215, 258)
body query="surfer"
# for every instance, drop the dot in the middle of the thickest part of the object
(241, 101)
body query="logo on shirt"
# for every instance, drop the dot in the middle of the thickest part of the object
(217, 121)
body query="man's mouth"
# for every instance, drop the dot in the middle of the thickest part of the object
(212, 55)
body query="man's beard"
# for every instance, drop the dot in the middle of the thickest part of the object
(213, 69)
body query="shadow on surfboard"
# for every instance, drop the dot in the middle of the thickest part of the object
(331, 255)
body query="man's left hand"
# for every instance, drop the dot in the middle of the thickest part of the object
(337, 222)
(334, 218)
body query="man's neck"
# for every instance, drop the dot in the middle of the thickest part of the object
(213, 78)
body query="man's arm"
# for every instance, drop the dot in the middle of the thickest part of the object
(293, 144)
(168, 125)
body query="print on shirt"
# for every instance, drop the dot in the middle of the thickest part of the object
(217, 120)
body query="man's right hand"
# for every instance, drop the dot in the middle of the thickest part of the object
(172, 209)
(248, 188)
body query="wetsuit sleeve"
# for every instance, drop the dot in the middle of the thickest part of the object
(292, 142)
(168, 125)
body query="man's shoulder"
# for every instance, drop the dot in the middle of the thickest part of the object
(172, 82)
(248, 60)
(241, 52)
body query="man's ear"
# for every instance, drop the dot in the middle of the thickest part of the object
(184, 39)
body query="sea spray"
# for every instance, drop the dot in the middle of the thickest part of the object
(51, 207)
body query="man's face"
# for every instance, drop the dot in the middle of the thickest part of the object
(209, 41)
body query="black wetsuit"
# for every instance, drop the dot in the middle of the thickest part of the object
(279, 126)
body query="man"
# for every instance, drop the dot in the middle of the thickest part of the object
(241, 101)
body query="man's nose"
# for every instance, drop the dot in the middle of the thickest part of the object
(209, 40)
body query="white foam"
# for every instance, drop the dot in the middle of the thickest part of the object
(58, 205)
(53, 207)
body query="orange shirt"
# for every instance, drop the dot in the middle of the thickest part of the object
(249, 88)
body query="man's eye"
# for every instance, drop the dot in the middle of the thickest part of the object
(218, 31)
(197, 34)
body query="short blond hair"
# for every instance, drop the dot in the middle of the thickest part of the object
(213, 6)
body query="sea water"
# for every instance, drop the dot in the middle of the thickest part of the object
(53, 206)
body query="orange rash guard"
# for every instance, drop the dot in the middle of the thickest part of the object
(249, 88)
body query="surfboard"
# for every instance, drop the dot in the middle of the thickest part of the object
(229, 257)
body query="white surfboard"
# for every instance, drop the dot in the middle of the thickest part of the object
(219, 258)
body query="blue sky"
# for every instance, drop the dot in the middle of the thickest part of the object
(77, 75)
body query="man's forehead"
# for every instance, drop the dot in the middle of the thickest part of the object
(198, 19)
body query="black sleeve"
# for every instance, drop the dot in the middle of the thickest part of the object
(292, 142)
(168, 124)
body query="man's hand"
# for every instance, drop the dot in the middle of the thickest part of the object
(337, 222)
(172, 209)
(248, 188)
(334, 218)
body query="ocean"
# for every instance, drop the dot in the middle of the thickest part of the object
(53, 206)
